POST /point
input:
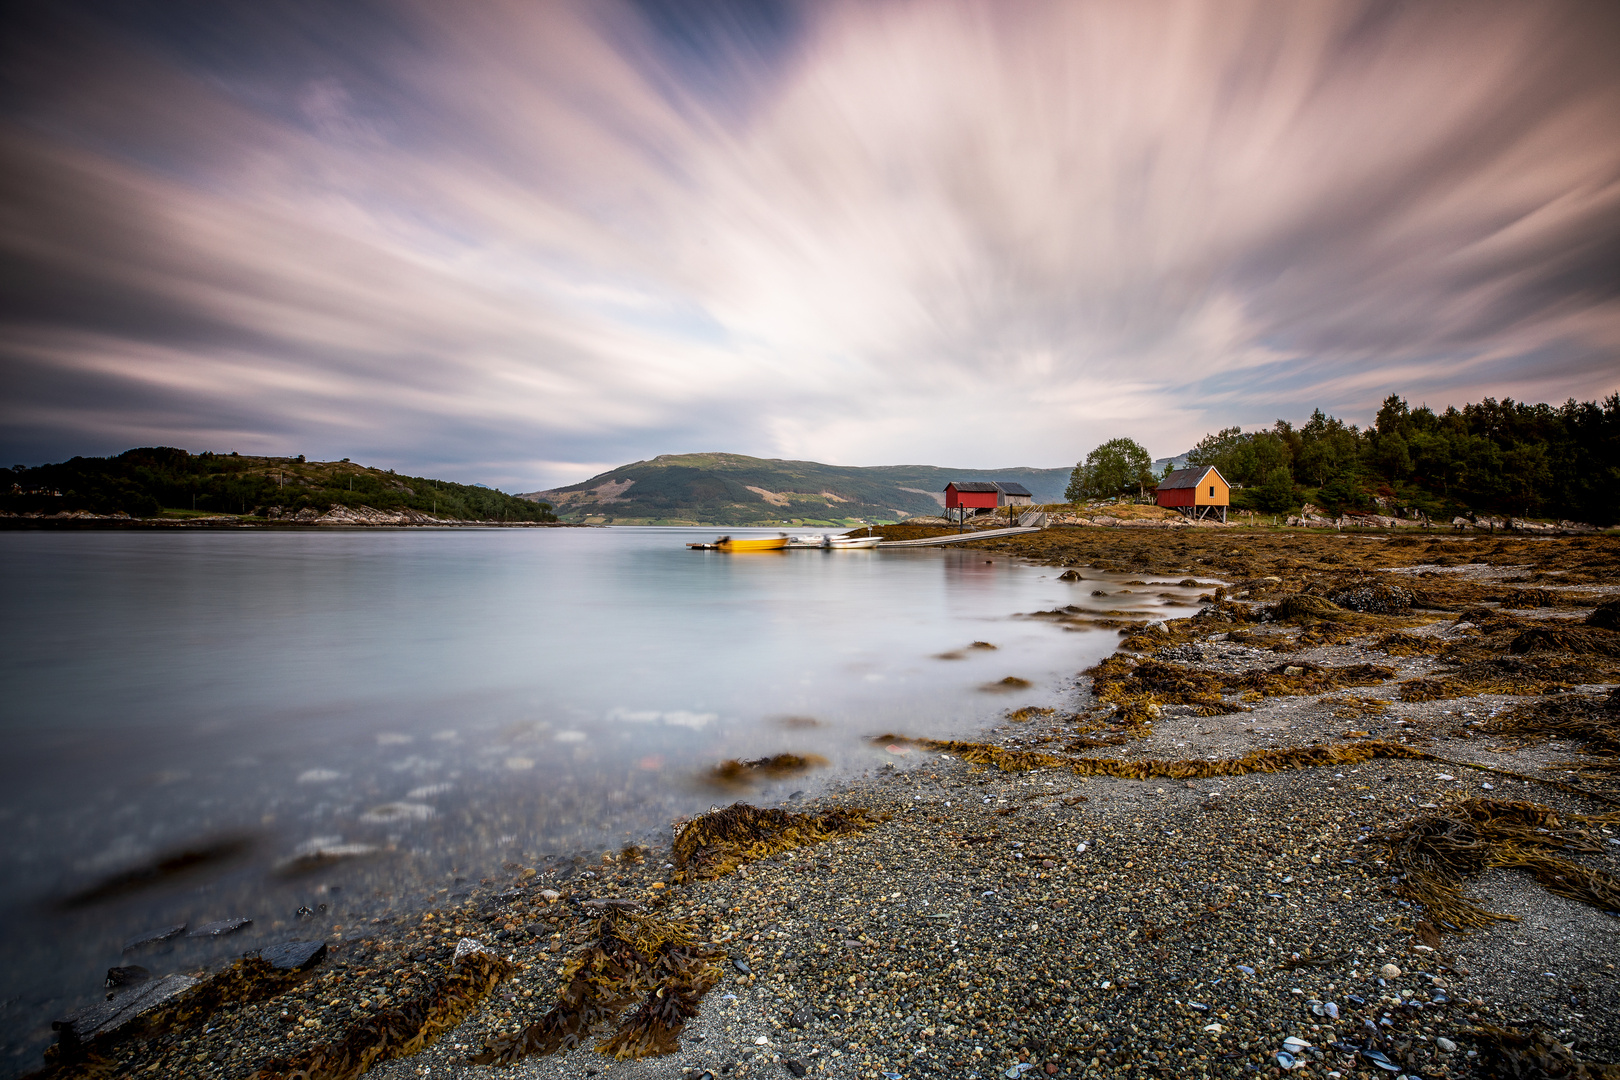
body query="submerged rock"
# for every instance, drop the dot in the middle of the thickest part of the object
(219, 928)
(103, 1018)
(154, 937)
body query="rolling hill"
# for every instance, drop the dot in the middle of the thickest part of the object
(733, 489)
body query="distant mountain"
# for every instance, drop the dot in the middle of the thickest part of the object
(1177, 462)
(732, 489)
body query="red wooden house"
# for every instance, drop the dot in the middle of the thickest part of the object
(973, 494)
(1198, 492)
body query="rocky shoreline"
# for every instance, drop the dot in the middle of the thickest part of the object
(1228, 856)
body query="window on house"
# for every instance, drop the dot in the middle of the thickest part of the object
(1212, 491)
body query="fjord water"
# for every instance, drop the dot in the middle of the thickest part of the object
(457, 700)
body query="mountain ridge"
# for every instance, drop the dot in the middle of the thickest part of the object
(719, 488)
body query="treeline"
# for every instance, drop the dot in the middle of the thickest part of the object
(148, 481)
(1504, 456)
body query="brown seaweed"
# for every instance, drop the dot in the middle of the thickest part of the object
(714, 844)
(1512, 1055)
(401, 1031)
(1436, 854)
(634, 958)
(733, 773)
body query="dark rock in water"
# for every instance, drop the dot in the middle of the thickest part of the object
(795, 1066)
(119, 978)
(154, 937)
(104, 1018)
(220, 928)
(294, 955)
(1070, 575)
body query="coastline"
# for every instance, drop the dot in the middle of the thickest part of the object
(1199, 902)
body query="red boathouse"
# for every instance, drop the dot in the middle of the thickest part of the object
(972, 494)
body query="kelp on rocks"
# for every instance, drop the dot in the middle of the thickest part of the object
(714, 844)
(733, 773)
(1133, 684)
(1585, 718)
(633, 958)
(1260, 761)
(401, 1031)
(1436, 854)
(1515, 1056)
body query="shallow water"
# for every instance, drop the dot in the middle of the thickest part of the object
(454, 699)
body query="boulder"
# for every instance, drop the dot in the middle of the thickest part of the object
(1375, 598)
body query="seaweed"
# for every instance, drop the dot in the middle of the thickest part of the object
(1304, 608)
(1567, 639)
(1583, 718)
(633, 958)
(1510, 1055)
(714, 844)
(1499, 675)
(1134, 685)
(1260, 761)
(1605, 616)
(1399, 643)
(1436, 854)
(733, 773)
(402, 1031)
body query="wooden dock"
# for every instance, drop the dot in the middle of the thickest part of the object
(957, 538)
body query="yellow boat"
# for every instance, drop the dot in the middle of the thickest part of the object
(753, 543)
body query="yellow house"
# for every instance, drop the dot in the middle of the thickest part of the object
(1199, 493)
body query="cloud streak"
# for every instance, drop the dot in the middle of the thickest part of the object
(514, 242)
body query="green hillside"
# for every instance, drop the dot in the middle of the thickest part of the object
(162, 481)
(732, 489)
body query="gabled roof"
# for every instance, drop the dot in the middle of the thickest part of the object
(1189, 478)
(972, 485)
(1014, 489)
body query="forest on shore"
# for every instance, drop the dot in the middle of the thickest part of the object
(1500, 457)
(165, 481)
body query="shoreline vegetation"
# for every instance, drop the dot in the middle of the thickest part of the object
(1359, 816)
(165, 486)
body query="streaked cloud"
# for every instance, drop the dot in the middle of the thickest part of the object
(510, 242)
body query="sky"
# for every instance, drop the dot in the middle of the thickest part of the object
(521, 243)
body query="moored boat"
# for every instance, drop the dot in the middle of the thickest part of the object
(752, 543)
(846, 543)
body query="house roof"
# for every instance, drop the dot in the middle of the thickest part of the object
(1005, 487)
(1189, 478)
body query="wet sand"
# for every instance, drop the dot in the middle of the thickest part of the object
(1049, 901)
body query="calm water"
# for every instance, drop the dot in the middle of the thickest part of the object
(455, 699)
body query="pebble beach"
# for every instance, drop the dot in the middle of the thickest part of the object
(1090, 890)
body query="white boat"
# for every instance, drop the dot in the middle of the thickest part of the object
(847, 543)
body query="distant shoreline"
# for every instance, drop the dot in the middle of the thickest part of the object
(92, 522)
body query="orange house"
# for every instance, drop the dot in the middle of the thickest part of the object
(1198, 493)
